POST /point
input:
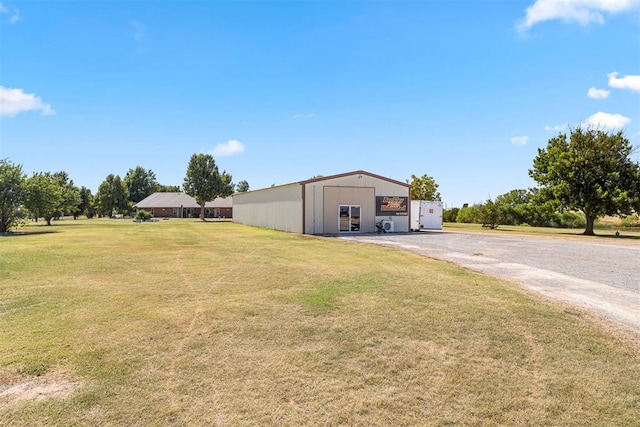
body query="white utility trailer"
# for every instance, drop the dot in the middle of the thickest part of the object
(426, 215)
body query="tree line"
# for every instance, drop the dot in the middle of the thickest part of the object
(581, 176)
(51, 195)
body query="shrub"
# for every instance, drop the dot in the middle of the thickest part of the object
(469, 214)
(490, 214)
(631, 221)
(450, 215)
(569, 220)
(144, 215)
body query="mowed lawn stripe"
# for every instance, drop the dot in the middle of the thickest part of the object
(184, 322)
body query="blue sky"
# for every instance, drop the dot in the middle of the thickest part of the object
(279, 91)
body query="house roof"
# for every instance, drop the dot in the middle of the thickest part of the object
(176, 200)
(220, 202)
(167, 200)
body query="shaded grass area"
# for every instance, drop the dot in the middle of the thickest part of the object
(188, 322)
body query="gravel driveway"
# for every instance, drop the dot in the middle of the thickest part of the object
(600, 275)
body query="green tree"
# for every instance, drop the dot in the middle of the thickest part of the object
(469, 214)
(140, 183)
(424, 188)
(85, 207)
(169, 188)
(589, 170)
(70, 194)
(112, 196)
(490, 214)
(450, 215)
(242, 187)
(203, 181)
(45, 195)
(12, 194)
(514, 207)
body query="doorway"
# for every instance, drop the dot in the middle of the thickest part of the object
(349, 218)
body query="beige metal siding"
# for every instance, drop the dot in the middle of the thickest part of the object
(318, 217)
(314, 194)
(277, 208)
(336, 196)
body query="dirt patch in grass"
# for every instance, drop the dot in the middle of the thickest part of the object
(35, 388)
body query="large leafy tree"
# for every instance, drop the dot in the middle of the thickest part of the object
(85, 207)
(589, 170)
(424, 188)
(514, 207)
(204, 182)
(12, 194)
(70, 194)
(141, 183)
(112, 196)
(45, 195)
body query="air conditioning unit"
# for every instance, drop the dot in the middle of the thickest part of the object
(388, 226)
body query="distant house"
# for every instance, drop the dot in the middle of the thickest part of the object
(181, 205)
(220, 207)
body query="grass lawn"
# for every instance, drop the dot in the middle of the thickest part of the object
(604, 230)
(183, 322)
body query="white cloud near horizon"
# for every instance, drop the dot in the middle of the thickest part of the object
(14, 14)
(583, 12)
(15, 101)
(608, 121)
(229, 148)
(594, 93)
(520, 140)
(629, 82)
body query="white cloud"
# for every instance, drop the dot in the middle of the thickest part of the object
(14, 101)
(583, 12)
(557, 128)
(608, 121)
(594, 93)
(229, 148)
(520, 140)
(630, 82)
(14, 14)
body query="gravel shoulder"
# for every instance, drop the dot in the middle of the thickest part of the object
(600, 276)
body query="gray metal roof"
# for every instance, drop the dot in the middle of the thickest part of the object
(220, 202)
(358, 172)
(167, 200)
(175, 200)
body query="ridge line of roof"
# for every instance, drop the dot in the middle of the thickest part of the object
(357, 172)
